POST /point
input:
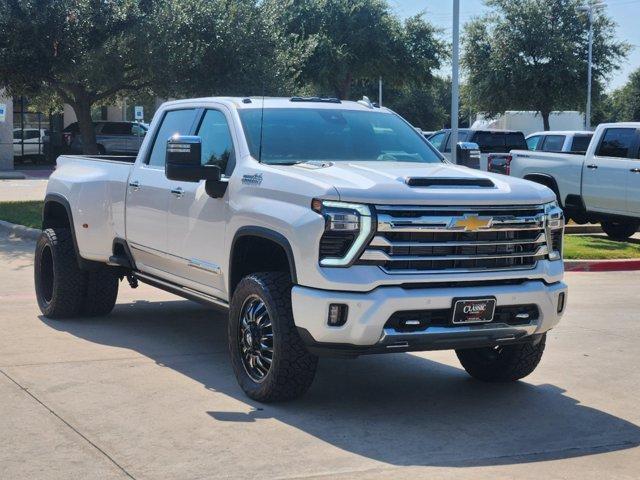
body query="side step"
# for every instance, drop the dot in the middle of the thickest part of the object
(119, 261)
(181, 291)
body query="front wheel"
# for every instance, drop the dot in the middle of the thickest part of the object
(503, 363)
(619, 230)
(268, 357)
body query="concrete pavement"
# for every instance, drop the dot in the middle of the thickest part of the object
(22, 190)
(148, 393)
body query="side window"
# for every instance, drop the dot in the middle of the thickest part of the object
(533, 142)
(137, 130)
(462, 137)
(437, 140)
(491, 142)
(553, 143)
(617, 142)
(174, 121)
(515, 141)
(217, 145)
(580, 143)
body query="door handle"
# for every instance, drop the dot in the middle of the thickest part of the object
(635, 170)
(592, 166)
(178, 192)
(135, 185)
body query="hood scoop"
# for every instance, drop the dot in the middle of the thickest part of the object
(449, 182)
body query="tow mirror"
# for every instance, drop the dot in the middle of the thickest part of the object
(468, 154)
(183, 161)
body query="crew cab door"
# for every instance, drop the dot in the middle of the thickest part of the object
(605, 174)
(633, 186)
(148, 196)
(196, 222)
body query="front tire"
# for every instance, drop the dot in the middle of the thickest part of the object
(268, 356)
(504, 363)
(60, 284)
(102, 292)
(619, 230)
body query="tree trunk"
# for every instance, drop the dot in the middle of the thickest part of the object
(545, 120)
(344, 87)
(82, 109)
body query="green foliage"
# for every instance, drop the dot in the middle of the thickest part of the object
(624, 103)
(591, 247)
(22, 213)
(333, 44)
(532, 55)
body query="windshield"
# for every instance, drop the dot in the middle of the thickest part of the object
(293, 135)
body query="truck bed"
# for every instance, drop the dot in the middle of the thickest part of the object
(95, 188)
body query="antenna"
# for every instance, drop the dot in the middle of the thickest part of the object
(261, 125)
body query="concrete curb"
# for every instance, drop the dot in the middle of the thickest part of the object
(10, 175)
(602, 265)
(20, 231)
(578, 229)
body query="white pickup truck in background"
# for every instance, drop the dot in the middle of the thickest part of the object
(601, 186)
(561, 141)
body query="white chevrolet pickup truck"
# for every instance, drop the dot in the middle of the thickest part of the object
(602, 185)
(323, 227)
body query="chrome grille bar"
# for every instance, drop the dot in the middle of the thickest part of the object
(421, 239)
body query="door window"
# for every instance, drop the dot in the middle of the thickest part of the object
(580, 143)
(617, 142)
(437, 140)
(553, 143)
(217, 145)
(532, 142)
(174, 122)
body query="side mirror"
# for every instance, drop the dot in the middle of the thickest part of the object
(468, 154)
(183, 161)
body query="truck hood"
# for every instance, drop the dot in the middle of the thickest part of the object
(385, 182)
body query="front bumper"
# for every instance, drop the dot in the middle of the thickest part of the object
(365, 332)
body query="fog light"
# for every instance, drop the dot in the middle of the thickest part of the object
(561, 302)
(337, 314)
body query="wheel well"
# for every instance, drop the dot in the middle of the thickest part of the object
(547, 182)
(253, 253)
(55, 215)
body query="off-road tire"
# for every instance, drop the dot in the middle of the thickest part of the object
(619, 230)
(293, 368)
(101, 292)
(505, 363)
(60, 284)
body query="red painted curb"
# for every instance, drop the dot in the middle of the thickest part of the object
(601, 265)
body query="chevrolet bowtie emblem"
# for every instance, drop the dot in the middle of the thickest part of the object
(471, 223)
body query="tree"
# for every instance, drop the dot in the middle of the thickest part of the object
(624, 103)
(532, 55)
(90, 52)
(332, 45)
(80, 51)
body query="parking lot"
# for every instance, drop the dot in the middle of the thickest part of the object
(148, 393)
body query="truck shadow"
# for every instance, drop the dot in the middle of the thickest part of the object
(400, 409)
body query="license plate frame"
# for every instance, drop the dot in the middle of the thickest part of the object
(475, 314)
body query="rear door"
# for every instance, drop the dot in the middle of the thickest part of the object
(148, 196)
(633, 183)
(606, 174)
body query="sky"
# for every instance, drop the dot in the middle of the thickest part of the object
(624, 12)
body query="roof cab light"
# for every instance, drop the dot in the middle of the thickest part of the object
(347, 227)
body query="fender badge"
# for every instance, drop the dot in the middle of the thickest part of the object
(255, 179)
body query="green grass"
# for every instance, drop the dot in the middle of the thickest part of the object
(591, 247)
(22, 213)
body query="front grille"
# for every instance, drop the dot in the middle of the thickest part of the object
(419, 320)
(458, 239)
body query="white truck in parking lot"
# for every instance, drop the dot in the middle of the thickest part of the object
(323, 227)
(602, 185)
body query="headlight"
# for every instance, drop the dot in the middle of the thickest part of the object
(554, 229)
(347, 227)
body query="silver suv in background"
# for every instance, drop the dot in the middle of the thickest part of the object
(111, 137)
